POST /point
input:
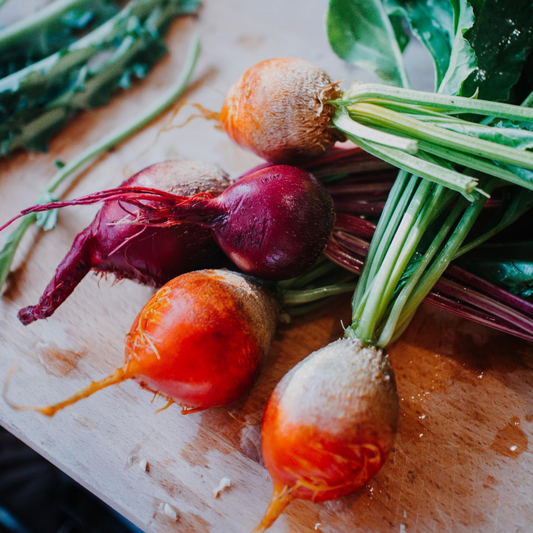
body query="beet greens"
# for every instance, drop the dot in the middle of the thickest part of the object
(38, 99)
(426, 223)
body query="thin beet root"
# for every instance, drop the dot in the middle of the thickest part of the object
(148, 255)
(74, 267)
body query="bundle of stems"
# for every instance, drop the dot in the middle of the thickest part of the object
(423, 134)
(457, 291)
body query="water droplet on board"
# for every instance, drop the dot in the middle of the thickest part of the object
(510, 441)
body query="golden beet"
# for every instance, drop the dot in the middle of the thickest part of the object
(329, 425)
(277, 109)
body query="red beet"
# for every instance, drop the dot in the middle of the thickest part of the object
(149, 255)
(273, 224)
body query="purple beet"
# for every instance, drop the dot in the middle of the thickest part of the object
(273, 224)
(148, 255)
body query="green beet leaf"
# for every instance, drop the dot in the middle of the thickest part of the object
(35, 104)
(441, 27)
(361, 32)
(48, 30)
(515, 276)
(462, 59)
(432, 24)
(502, 38)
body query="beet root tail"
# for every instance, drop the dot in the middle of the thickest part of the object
(74, 267)
(118, 376)
(281, 497)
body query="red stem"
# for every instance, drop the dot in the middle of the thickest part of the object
(505, 311)
(132, 195)
(475, 315)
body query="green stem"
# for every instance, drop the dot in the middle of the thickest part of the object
(414, 110)
(347, 125)
(528, 102)
(34, 23)
(293, 298)
(475, 163)
(432, 207)
(80, 51)
(387, 224)
(322, 268)
(11, 243)
(366, 315)
(521, 204)
(376, 93)
(390, 229)
(48, 120)
(419, 167)
(402, 280)
(175, 91)
(441, 136)
(441, 263)
(390, 326)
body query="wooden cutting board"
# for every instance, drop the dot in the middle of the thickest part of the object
(462, 460)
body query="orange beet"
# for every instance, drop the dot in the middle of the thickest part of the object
(329, 425)
(277, 109)
(200, 341)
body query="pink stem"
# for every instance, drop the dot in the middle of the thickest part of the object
(133, 195)
(489, 305)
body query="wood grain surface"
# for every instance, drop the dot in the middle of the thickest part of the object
(462, 460)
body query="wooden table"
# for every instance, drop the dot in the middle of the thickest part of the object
(462, 461)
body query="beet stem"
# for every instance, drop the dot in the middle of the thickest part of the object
(479, 301)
